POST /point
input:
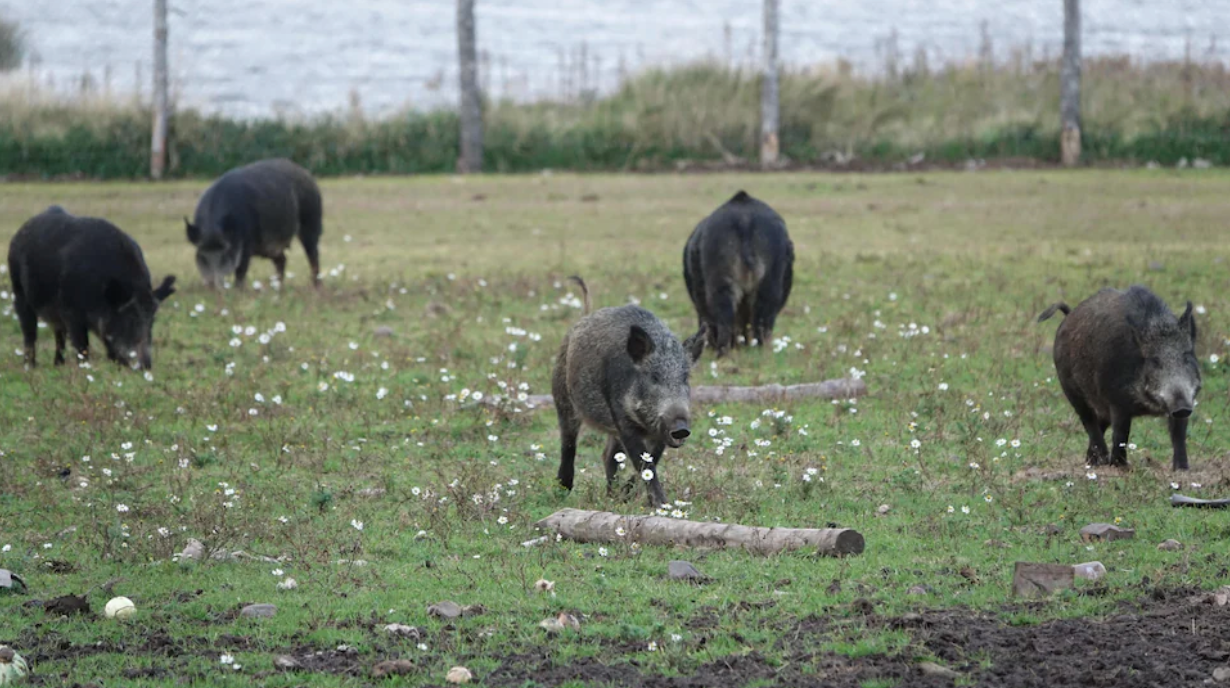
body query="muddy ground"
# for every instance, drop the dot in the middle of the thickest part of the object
(1168, 638)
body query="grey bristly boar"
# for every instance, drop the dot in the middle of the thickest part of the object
(621, 371)
(83, 274)
(738, 265)
(256, 210)
(1123, 354)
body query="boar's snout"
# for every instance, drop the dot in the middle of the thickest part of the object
(1181, 402)
(679, 432)
(141, 358)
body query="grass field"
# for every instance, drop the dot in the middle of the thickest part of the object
(280, 424)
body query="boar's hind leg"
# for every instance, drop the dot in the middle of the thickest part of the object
(29, 326)
(1120, 429)
(721, 301)
(743, 323)
(770, 297)
(1178, 441)
(569, 429)
(61, 336)
(309, 236)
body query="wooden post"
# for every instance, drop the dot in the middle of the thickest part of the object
(1070, 84)
(769, 113)
(471, 159)
(158, 144)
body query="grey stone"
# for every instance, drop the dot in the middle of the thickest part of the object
(257, 611)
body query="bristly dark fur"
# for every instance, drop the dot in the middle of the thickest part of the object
(621, 371)
(83, 274)
(738, 265)
(1123, 354)
(256, 210)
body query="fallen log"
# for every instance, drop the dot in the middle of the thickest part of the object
(1183, 500)
(580, 525)
(840, 388)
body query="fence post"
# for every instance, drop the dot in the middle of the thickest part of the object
(1070, 85)
(471, 159)
(158, 144)
(769, 113)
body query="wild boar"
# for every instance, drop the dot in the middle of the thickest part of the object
(83, 274)
(1123, 354)
(621, 371)
(256, 210)
(738, 265)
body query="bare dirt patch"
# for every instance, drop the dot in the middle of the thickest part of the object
(1169, 637)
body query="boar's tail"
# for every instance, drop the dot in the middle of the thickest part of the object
(1050, 310)
(584, 293)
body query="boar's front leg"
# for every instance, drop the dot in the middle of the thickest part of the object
(79, 335)
(613, 447)
(1120, 429)
(279, 263)
(632, 441)
(1178, 441)
(241, 271)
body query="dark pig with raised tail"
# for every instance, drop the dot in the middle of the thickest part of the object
(82, 275)
(1124, 354)
(738, 265)
(621, 371)
(256, 210)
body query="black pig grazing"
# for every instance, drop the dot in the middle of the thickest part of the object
(1122, 354)
(256, 210)
(82, 274)
(738, 265)
(621, 371)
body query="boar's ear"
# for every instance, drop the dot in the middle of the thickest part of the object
(695, 345)
(194, 232)
(640, 344)
(117, 294)
(1187, 322)
(165, 289)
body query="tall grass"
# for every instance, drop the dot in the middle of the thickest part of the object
(668, 116)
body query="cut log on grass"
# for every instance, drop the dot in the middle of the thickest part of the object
(841, 388)
(580, 525)
(1183, 500)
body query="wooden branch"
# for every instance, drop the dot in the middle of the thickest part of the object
(602, 526)
(1184, 500)
(841, 388)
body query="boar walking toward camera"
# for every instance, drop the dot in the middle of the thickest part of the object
(621, 371)
(83, 274)
(738, 265)
(256, 210)
(1123, 354)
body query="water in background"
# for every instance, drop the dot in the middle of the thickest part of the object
(301, 57)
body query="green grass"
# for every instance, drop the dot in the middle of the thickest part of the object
(966, 261)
